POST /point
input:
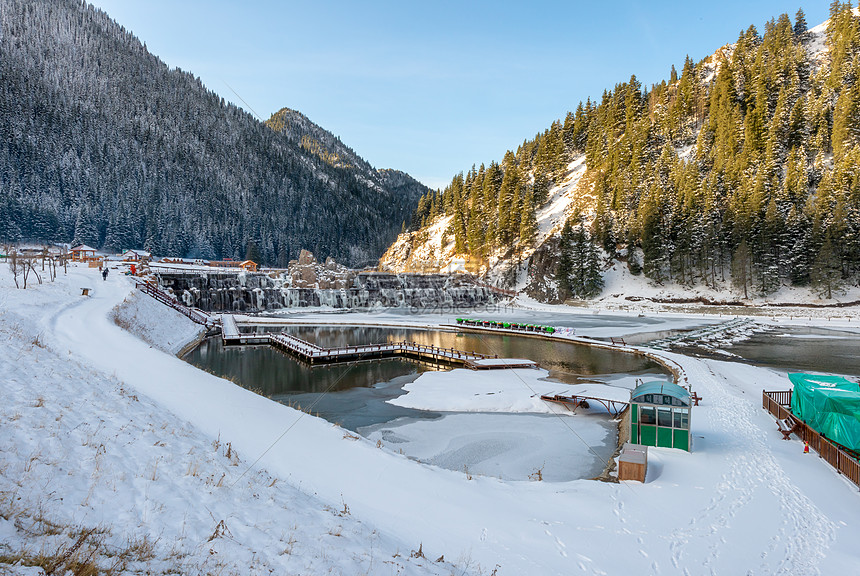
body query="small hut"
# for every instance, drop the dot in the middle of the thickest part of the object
(660, 415)
(83, 253)
(141, 256)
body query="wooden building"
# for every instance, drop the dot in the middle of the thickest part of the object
(633, 462)
(83, 253)
(141, 256)
(247, 265)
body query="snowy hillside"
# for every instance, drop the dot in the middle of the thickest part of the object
(118, 455)
(710, 185)
(432, 248)
(216, 182)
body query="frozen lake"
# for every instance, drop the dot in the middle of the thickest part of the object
(509, 445)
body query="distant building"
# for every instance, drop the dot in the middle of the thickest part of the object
(455, 265)
(83, 253)
(136, 256)
(247, 265)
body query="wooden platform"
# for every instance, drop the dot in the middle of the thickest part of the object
(314, 355)
(231, 336)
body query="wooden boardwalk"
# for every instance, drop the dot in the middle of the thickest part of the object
(314, 355)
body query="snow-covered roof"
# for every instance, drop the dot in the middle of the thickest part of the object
(83, 248)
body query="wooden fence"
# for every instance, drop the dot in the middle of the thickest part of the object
(778, 402)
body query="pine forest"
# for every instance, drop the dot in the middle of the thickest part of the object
(102, 143)
(742, 168)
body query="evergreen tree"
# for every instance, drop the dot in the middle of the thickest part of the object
(579, 274)
(826, 273)
(800, 26)
(528, 220)
(564, 271)
(846, 120)
(741, 268)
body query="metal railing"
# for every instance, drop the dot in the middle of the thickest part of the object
(197, 316)
(845, 463)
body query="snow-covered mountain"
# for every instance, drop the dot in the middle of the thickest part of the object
(318, 141)
(731, 179)
(103, 143)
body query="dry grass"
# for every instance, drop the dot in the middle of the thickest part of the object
(37, 341)
(537, 475)
(418, 553)
(87, 555)
(290, 543)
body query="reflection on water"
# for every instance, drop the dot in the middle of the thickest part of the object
(804, 350)
(362, 388)
(565, 361)
(271, 373)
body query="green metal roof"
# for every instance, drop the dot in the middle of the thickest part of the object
(662, 387)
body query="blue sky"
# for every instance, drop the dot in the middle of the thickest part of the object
(433, 87)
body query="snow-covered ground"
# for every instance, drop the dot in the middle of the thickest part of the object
(155, 466)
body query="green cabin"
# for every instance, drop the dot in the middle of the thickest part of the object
(660, 415)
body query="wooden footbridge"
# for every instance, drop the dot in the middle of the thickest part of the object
(312, 354)
(574, 401)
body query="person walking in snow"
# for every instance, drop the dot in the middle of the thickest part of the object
(105, 273)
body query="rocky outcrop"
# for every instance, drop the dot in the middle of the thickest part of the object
(543, 265)
(307, 283)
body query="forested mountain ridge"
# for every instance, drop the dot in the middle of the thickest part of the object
(742, 171)
(101, 142)
(329, 148)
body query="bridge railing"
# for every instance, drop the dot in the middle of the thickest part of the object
(197, 316)
(315, 351)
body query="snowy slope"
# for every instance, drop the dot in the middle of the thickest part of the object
(432, 249)
(429, 250)
(100, 430)
(83, 449)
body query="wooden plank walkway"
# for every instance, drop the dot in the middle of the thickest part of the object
(312, 354)
(229, 328)
(231, 336)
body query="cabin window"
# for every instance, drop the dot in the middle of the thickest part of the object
(647, 416)
(664, 417)
(682, 418)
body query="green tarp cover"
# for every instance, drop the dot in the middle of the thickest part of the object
(830, 405)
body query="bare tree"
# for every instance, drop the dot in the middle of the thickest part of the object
(14, 265)
(21, 266)
(30, 266)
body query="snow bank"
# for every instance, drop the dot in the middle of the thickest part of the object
(86, 457)
(180, 470)
(170, 333)
(516, 390)
(505, 446)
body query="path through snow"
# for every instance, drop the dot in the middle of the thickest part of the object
(743, 502)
